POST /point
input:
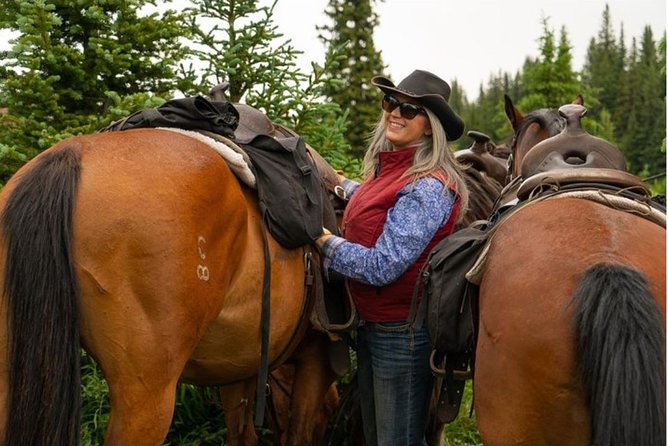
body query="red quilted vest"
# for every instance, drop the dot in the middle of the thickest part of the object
(363, 223)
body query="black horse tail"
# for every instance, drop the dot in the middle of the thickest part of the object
(42, 299)
(621, 346)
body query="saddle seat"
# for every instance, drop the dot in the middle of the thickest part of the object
(574, 156)
(482, 157)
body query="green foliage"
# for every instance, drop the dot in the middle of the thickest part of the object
(351, 34)
(463, 431)
(487, 113)
(625, 94)
(603, 69)
(242, 46)
(550, 80)
(239, 43)
(95, 403)
(643, 129)
(70, 60)
(198, 418)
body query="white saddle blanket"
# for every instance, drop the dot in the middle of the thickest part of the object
(231, 154)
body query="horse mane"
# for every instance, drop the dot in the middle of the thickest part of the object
(483, 191)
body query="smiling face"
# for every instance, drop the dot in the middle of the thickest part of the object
(403, 132)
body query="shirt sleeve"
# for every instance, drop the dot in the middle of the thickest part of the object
(349, 187)
(420, 210)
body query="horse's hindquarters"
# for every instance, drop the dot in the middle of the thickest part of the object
(528, 386)
(230, 348)
(158, 232)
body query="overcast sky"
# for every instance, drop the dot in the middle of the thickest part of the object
(469, 40)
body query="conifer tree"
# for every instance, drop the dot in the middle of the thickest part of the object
(603, 69)
(644, 101)
(352, 30)
(72, 62)
(240, 44)
(487, 114)
(550, 80)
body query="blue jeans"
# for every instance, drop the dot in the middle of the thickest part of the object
(395, 383)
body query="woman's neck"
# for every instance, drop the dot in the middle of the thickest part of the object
(399, 149)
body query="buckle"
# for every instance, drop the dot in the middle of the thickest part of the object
(340, 192)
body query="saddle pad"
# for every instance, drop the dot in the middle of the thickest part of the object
(233, 158)
(642, 209)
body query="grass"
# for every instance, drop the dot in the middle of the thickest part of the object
(198, 418)
(462, 431)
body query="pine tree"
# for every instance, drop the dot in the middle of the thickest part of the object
(240, 44)
(491, 118)
(354, 23)
(73, 62)
(603, 69)
(550, 81)
(644, 100)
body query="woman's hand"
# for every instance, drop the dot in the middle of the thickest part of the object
(321, 240)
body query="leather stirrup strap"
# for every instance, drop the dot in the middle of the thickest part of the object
(263, 373)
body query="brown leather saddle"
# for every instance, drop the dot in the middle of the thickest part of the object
(574, 156)
(482, 156)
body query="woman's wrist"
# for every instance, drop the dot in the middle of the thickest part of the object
(320, 241)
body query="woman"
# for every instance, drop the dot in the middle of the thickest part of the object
(411, 197)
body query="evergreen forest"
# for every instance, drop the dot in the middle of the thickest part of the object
(73, 67)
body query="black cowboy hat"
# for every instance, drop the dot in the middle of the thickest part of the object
(432, 92)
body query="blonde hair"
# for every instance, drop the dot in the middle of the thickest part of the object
(433, 155)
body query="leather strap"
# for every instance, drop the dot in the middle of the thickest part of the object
(263, 373)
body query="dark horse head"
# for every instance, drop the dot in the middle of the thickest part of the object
(531, 129)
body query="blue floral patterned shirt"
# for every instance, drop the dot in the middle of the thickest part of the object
(421, 209)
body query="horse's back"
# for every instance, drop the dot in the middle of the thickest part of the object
(558, 238)
(527, 364)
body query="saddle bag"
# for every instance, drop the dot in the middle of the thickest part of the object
(448, 298)
(289, 189)
(191, 113)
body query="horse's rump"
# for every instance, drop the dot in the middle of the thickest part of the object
(528, 379)
(166, 245)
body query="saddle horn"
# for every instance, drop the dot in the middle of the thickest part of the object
(218, 93)
(481, 156)
(574, 147)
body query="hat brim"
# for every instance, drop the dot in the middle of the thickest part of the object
(452, 123)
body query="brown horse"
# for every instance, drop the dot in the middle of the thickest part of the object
(282, 382)
(571, 348)
(144, 248)
(289, 391)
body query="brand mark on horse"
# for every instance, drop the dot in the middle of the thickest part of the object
(202, 270)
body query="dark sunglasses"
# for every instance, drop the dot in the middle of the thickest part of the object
(406, 109)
